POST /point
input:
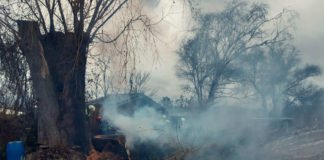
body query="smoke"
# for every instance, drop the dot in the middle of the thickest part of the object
(267, 75)
(145, 124)
(224, 132)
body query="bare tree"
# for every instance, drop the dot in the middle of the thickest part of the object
(54, 36)
(100, 77)
(15, 85)
(275, 75)
(105, 77)
(138, 81)
(207, 59)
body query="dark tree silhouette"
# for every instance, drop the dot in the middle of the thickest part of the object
(275, 75)
(221, 38)
(54, 36)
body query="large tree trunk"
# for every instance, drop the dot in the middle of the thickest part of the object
(65, 55)
(212, 90)
(48, 132)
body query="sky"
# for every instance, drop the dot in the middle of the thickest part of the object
(308, 37)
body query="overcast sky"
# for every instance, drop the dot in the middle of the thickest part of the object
(309, 38)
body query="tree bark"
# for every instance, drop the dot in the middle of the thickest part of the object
(212, 90)
(57, 63)
(66, 57)
(30, 45)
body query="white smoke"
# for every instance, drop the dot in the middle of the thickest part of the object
(145, 125)
(235, 127)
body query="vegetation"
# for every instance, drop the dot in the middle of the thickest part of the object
(57, 55)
